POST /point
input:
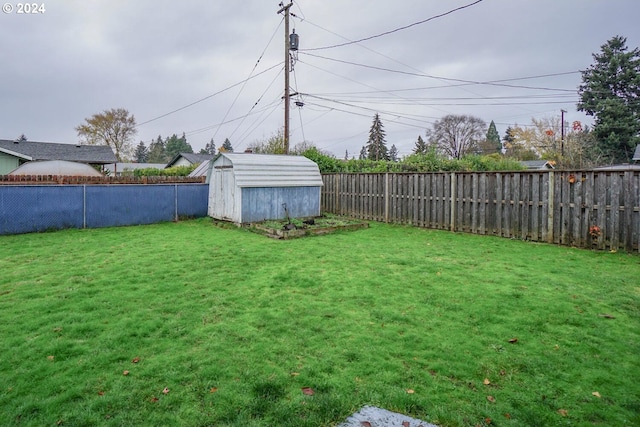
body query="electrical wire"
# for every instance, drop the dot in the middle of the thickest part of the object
(466, 82)
(250, 74)
(206, 97)
(397, 29)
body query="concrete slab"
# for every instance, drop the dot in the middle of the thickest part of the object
(370, 416)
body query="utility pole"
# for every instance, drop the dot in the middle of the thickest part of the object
(562, 131)
(285, 9)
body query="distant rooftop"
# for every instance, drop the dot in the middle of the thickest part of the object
(31, 150)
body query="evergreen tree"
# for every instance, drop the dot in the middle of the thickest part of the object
(363, 153)
(508, 137)
(226, 146)
(376, 146)
(420, 147)
(157, 152)
(493, 144)
(174, 146)
(610, 92)
(346, 154)
(141, 155)
(210, 148)
(393, 153)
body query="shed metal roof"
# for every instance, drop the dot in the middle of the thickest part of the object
(31, 150)
(636, 154)
(271, 170)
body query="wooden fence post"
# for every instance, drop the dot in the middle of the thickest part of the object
(550, 206)
(452, 224)
(386, 197)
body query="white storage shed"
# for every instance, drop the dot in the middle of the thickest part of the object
(246, 188)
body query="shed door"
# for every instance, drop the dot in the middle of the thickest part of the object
(224, 196)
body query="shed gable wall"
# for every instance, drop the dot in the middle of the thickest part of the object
(263, 203)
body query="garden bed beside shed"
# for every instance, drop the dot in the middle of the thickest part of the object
(294, 227)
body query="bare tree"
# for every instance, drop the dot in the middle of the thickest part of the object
(457, 136)
(115, 128)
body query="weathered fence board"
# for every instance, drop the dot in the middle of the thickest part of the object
(547, 206)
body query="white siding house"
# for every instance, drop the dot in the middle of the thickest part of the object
(246, 188)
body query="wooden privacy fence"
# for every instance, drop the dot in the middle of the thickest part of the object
(588, 209)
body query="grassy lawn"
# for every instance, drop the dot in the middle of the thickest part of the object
(191, 324)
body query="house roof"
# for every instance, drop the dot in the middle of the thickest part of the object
(537, 164)
(636, 154)
(192, 158)
(31, 150)
(270, 170)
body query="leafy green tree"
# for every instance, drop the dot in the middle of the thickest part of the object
(174, 146)
(421, 147)
(157, 153)
(393, 153)
(610, 92)
(141, 155)
(273, 145)
(457, 135)
(226, 146)
(210, 148)
(114, 128)
(376, 145)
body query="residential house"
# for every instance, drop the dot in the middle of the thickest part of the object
(189, 159)
(15, 153)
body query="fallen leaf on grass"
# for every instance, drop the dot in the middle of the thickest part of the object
(125, 373)
(410, 391)
(486, 381)
(50, 358)
(491, 399)
(213, 389)
(487, 420)
(308, 391)
(563, 412)
(154, 399)
(513, 340)
(596, 394)
(607, 316)
(503, 372)
(294, 374)
(101, 393)
(165, 390)
(507, 416)
(135, 360)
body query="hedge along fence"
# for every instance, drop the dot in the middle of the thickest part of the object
(588, 209)
(31, 208)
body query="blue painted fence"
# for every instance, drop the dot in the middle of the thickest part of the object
(32, 208)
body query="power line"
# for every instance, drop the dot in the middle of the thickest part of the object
(206, 97)
(397, 29)
(250, 74)
(466, 82)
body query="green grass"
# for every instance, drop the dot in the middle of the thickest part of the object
(234, 325)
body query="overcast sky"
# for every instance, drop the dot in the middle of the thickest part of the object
(153, 57)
